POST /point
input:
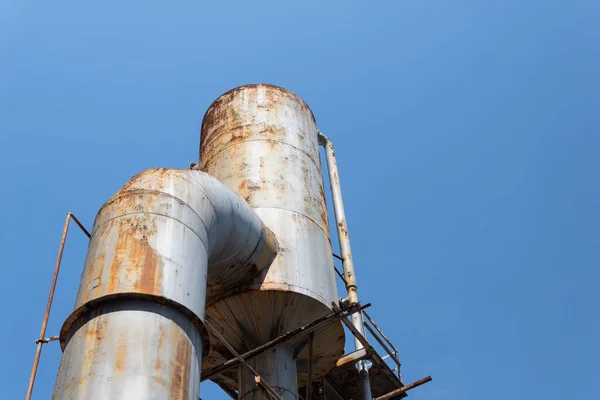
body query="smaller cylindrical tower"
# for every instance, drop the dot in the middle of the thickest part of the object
(261, 141)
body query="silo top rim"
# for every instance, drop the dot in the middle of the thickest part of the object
(257, 85)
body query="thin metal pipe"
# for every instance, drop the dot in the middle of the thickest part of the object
(346, 255)
(337, 271)
(340, 218)
(310, 362)
(80, 225)
(404, 389)
(41, 340)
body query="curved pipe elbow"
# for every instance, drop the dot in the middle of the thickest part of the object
(238, 244)
(177, 236)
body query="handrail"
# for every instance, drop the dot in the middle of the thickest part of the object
(377, 333)
(381, 333)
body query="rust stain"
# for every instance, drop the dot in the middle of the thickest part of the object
(222, 112)
(343, 229)
(180, 369)
(121, 355)
(94, 335)
(134, 257)
(323, 209)
(96, 330)
(161, 339)
(151, 274)
(223, 125)
(161, 345)
(96, 285)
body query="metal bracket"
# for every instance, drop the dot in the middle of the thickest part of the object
(46, 339)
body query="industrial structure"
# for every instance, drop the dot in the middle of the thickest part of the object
(225, 271)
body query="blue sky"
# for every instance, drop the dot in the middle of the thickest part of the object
(467, 139)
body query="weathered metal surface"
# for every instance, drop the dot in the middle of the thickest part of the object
(154, 236)
(131, 349)
(276, 366)
(261, 141)
(155, 244)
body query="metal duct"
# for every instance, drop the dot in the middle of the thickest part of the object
(137, 330)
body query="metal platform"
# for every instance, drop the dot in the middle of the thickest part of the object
(341, 382)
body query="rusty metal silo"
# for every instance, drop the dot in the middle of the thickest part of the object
(224, 271)
(261, 141)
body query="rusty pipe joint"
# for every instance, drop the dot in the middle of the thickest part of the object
(157, 246)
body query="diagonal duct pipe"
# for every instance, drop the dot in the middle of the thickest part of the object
(158, 246)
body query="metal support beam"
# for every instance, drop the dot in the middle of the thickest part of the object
(41, 340)
(357, 335)
(353, 357)
(404, 389)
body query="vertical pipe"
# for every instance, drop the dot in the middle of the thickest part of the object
(277, 367)
(346, 253)
(310, 362)
(40, 341)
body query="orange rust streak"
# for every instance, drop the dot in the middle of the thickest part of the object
(121, 355)
(180, 369)
(151, 274)
(134, 257)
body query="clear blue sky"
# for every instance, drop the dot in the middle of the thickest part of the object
(467, 134)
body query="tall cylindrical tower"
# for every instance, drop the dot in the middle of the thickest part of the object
(261, 141)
